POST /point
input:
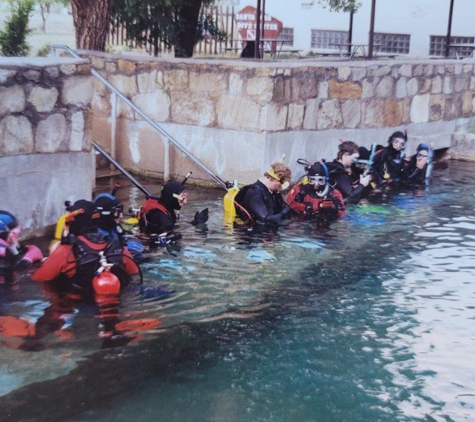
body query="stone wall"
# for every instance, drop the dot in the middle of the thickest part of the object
(462, 147)
(45, 155)
(238, 116)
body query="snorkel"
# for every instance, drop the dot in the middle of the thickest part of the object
(324, 192)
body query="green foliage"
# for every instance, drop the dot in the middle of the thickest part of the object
(173, 23)
(13, 38)
(340, 5)
(207, 26)
(44, 51)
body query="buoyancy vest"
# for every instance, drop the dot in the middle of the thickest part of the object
(86, 250)
(150, 205)
(332, 205)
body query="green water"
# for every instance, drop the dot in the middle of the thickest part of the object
(371, 319)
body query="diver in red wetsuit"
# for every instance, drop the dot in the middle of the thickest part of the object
(316, 197)
(81, 253)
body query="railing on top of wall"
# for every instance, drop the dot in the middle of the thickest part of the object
(116, 93)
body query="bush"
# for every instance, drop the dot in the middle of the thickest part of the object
(13, 38)
(44, 51)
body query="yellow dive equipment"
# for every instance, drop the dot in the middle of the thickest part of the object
(58, 233)
(228, 202)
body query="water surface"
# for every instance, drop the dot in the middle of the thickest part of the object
(369, 319)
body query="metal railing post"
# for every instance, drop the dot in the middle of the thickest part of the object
(166, 164)
(113, 124)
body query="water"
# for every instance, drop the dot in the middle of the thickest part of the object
(371, 319)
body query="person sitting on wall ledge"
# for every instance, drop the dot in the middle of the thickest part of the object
(261, 202)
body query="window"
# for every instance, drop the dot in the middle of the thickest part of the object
(391, 43)
(437, 45)
(287, 34)
(323, 39)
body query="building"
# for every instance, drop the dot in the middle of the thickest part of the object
(410, 28)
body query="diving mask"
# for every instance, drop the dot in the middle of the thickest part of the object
(316, 180)
(399, 143)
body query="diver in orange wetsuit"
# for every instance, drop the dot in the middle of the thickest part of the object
(78, 256)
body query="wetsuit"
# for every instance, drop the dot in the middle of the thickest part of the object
(303, 199)
(256, 203)
(388, 164)
(80, 259)
(157, 216)
(412, 175)
(343, 182)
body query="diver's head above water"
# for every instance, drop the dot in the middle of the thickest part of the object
(277, 178)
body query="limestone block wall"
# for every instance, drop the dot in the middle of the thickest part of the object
(462, 147)
(45, 155)
(238, 116)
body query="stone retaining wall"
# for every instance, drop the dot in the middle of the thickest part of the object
(462, 147)
(238, 116)
(45, 155)
(235, 116)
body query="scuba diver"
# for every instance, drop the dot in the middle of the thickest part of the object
(12, 253)
(158, 216)
(86, 258)
(415, 170)
(110, 211)
(340, 170)
(389, 161)
(315, 195)
(262, 202)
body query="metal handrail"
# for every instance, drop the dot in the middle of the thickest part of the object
(144, 116)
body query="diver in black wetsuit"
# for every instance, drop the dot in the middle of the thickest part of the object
(340, 170)
(389, 161)
(414, 170)
(262, 202)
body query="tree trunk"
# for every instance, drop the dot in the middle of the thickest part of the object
(91, 23)
(186, 37)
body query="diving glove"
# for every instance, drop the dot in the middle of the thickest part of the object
(201, 217)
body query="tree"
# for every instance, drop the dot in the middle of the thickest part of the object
(91, 23)
(346, 6)
(13, 38)
(45, 8)
(176, 23)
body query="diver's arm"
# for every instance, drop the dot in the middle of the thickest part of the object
(53, 266)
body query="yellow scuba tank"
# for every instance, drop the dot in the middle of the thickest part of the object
(228, 202)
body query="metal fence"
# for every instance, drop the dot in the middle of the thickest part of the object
(223, 17)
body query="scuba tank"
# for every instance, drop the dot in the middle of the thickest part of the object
(105, 282)
(228, 202)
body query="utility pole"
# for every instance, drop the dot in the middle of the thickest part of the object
(449, 29)
(257, 47)
(371, 30)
